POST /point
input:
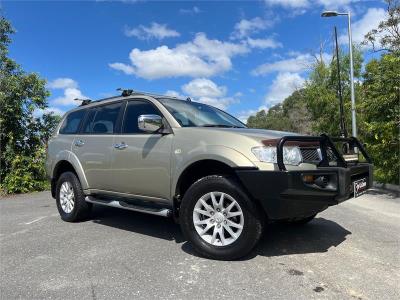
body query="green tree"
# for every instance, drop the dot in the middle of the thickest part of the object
(22, 135)
(381, 110)
(315, 108)
(290, 115)
(387, 35)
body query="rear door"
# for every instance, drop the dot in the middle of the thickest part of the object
(142, 166)
(94, 144)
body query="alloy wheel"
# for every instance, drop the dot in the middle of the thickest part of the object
(218, 218)
(67, 197)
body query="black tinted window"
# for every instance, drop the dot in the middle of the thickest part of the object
(103, 120)
(133, 111)
(72, 121)
(87, 126)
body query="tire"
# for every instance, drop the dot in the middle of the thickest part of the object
(300, 222)
(222, 245)
(78, 209)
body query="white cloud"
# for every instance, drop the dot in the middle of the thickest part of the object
(360, 28)
(127, 69)
(282, 87)
(334, 4)
(190, 11)
(206, 91)
(221, 103)
(296, 64)
(175, 94)
(71, 91)
(202, 87)
(70, 94)
(301, 6)
(62, 83)
(289, 3)
(245, 27)
(53, 110)
(263, 43)
(201, 57)
(158, 31)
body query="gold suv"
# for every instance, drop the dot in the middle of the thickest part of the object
(219, 179)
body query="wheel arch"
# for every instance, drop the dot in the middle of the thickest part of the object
(207, 167)
(198, 170)
(68, 164)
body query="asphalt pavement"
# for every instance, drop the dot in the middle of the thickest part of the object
(350, 251)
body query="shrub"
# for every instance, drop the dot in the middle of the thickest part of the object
(27, 174)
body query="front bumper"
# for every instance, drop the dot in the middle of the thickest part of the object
(284, 195)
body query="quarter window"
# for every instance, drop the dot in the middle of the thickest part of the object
(72, 122)
(133, 110)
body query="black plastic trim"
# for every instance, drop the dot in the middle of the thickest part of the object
(283, 194)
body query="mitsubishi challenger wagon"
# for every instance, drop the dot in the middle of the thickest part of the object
(221, 181)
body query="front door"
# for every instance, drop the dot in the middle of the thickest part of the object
(142, 164)
(94, 145)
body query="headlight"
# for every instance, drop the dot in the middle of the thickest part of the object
(291, 155)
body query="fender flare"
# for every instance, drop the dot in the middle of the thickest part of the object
(223, 154)
(74, 161)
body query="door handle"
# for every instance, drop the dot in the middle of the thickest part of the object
(79, 143)
(120, 146)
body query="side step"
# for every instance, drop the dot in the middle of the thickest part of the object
(163, 212)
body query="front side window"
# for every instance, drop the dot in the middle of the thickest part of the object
(194, 114)
(72, 122)
(103, 119)
(133, 110)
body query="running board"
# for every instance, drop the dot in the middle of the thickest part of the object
(163, 212)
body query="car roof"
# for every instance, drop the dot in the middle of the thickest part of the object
(119, 98)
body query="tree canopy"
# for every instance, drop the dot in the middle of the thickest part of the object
(23, 134)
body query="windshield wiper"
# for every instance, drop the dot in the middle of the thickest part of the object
(220, 125)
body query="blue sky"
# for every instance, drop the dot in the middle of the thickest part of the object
(239, 56)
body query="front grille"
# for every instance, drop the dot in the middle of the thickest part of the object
(310, 154)
(313, 155)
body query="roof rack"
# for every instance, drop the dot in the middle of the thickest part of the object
(125, 92)
(130, 92)
(84, 101)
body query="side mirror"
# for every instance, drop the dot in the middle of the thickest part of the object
(150, 123)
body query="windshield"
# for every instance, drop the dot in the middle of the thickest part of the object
(194, 114)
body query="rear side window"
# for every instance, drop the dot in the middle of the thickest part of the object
(103, 120)
(133, 110)
(72, 122)
(87, 125)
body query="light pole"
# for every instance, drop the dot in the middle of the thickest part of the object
(353, 100)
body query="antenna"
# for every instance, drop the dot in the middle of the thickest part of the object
(343, 131)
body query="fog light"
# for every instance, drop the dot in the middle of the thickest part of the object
(322, 181)
(308, 178)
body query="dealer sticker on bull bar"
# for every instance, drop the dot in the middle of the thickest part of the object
(360, 187)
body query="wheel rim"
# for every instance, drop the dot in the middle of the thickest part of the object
(67, 197)
(218, 218)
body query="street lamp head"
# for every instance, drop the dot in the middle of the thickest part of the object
(329, 13)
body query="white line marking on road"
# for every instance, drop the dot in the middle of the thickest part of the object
(36, 220)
